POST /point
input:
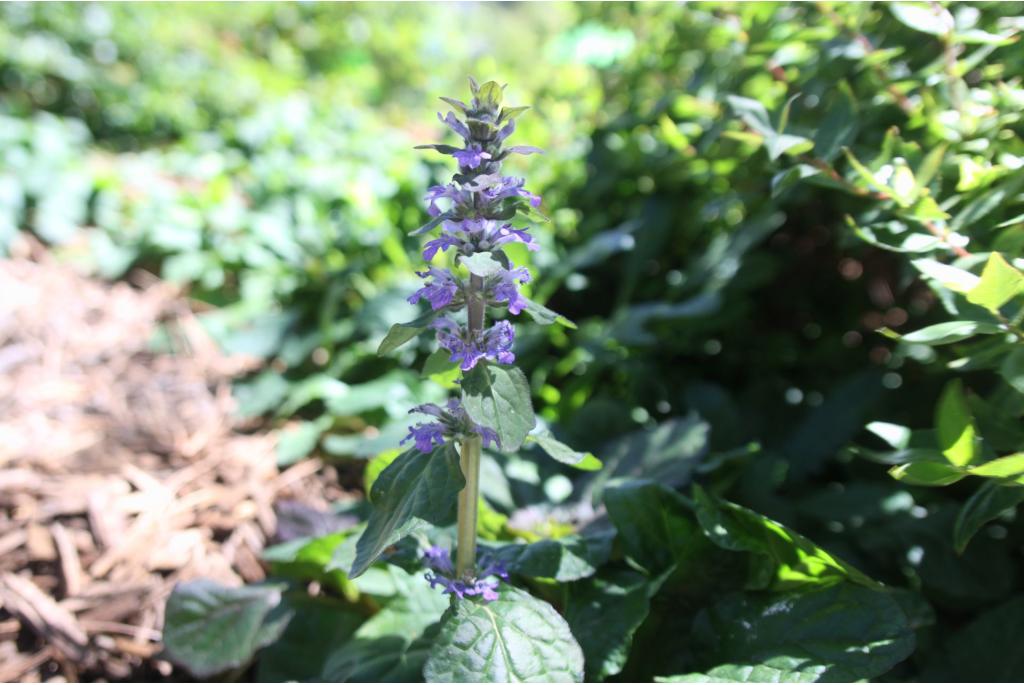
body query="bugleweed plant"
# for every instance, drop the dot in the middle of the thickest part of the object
(517, 637)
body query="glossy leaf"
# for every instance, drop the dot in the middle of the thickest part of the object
(517, 638)
(499, 397)
(413, 489)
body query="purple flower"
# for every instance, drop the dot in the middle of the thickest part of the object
(453, 423)
(439, 292)
(443, 243)
(483, 584)
(497, 342)
(502, 288)
(471, 157)
(493, 343)
(426, 436)
(507, 130)
(455, 125)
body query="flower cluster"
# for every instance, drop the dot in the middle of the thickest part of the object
(473, 211)
(453, 423)
(483, 584)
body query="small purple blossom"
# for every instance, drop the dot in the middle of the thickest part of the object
(483, 584)
(455, 125)
(492, 343)
(490, 189)
(426, 436)
(453, 423)
(471, 157)
(440, 292)
(502, 288)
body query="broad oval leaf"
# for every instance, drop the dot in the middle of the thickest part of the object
(415, 487)
(499, 397)
(840, 633)
(516, 638)
(209, 628)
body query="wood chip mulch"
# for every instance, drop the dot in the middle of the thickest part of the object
(122, 472)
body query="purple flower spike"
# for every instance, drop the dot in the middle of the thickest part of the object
(426, 436)
(452, 424)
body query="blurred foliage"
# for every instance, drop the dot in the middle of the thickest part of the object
(790, 234)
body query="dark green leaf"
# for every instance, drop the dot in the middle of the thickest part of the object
(840, 633)
(516, 638)
(988, 648)
(300, 653)
(416, 487)
(209, 628)
(656, 528)
(986, 504)
(604, 613)
(499, 397)
(393, 644)
(563, 559)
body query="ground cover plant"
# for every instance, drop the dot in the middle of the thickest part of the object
(772, 433)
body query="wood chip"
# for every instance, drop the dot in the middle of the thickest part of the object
(70, 565)
(53, 623)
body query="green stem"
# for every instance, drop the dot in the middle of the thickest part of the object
(469, 498)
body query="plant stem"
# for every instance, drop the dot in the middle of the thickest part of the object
(469, 498)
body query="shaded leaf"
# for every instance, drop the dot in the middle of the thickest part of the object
(416, 487)
(209, 628)
(986, 504)
(840, 633)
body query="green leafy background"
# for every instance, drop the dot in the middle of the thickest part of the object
(790, 238)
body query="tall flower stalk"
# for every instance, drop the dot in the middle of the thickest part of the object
(479, 200)
(476, 217)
